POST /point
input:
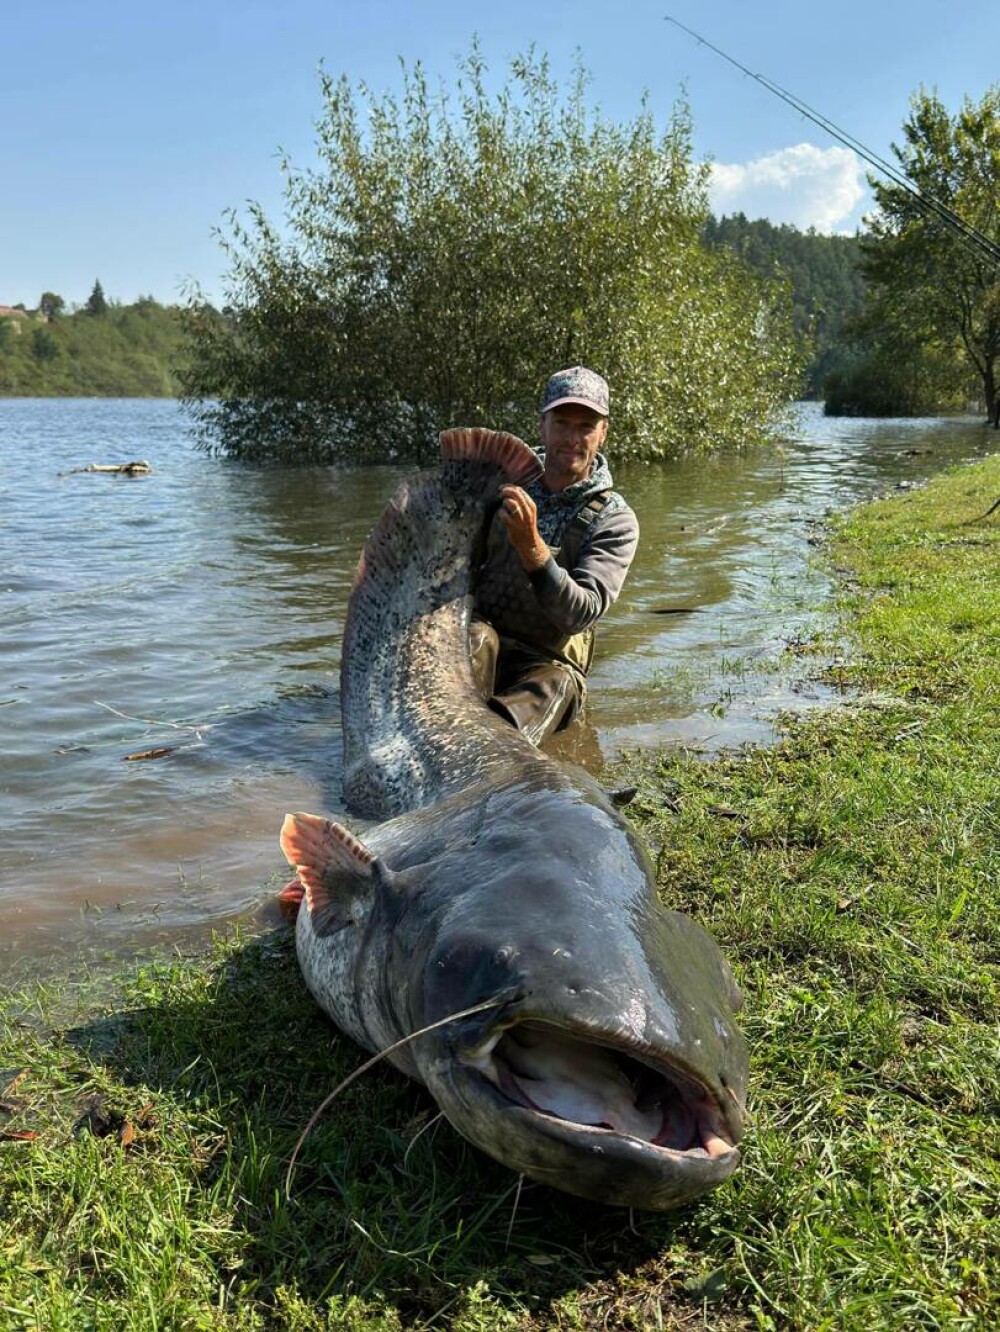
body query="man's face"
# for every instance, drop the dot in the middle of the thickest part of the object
(571, 435)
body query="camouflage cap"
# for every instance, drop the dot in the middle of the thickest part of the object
(578, 384)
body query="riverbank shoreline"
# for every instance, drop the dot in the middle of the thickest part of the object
(850, 874)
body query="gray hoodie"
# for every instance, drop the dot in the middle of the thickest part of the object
(547, 607)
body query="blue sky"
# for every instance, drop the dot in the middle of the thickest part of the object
(127, 130)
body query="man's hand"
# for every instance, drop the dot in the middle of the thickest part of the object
(520, 517)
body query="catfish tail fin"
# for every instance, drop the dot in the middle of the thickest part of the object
(518, 463)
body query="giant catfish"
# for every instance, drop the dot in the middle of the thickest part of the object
(607, 1062)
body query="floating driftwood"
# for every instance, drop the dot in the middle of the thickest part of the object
(141, 468)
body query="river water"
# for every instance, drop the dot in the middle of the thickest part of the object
(199, 610)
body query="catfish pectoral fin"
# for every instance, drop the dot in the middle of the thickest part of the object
(332, 864)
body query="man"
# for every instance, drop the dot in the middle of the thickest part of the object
(556, 558)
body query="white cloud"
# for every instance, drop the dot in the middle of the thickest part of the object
(804, 185)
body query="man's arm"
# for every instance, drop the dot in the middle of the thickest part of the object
(572, 600)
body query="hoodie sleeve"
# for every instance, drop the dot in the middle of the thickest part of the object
(574, 600)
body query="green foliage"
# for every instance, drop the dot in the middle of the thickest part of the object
(823, 272)
(96, 302)
(129, 351)
(44, 346)
(927, 290)
(50, 305)
(899, 376)
(447, 255)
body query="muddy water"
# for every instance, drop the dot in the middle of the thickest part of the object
(198, 611)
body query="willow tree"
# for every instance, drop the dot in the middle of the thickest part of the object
(448, 252)
(928, 288)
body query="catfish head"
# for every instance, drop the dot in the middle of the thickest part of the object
(611, 1066)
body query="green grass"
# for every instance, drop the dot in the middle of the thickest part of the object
(851, 874)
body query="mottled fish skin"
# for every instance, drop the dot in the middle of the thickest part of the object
(415, 729)
(500, 876)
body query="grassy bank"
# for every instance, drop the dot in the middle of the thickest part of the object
(851, 873)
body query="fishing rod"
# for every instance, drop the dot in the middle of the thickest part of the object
(970, 236)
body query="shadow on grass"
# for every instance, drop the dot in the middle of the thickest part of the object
(387, 1200)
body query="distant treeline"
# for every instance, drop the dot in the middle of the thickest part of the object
(107, 349)
(824, 280)
(138, 350)
(103, 350)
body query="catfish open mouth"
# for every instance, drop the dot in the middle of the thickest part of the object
(602, 1087)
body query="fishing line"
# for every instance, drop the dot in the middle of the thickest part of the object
(971, 236)
(370, 1063)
